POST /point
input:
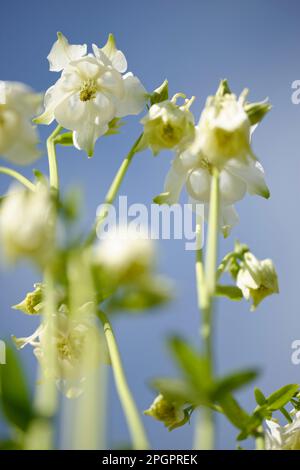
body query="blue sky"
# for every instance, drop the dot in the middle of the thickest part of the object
(194, 44)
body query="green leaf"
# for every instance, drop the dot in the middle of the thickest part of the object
(234, 412)
(282, 396)
(231, 292)
(14, 395)
(160, 94)
(259, 396)
(9, 445)
(194, 367)
(233, 382)
(174, 389)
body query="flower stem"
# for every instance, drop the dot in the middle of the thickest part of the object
(260, 440)
(206, 286)
(51, 149)
(113, 190)
(15, 174)
(134, 422)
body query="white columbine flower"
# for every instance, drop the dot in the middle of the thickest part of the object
(26, 224)
(222, 139)
(168, 126)
(18, 137)
(91, 90)
(283, 437)
(257, 279)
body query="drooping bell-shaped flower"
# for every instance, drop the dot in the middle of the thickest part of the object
(171, 414)
(239, 170)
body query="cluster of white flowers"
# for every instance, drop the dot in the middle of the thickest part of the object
(92, 90)
(222, 139)
(284, 437)
(18, 137)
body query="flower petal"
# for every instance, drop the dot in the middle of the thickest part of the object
(62, 53)
(135, 96)
(174, 183)
(252, 173)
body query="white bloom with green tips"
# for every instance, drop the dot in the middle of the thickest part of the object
(91, 91)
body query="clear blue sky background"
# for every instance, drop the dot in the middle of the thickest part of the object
(194, 43)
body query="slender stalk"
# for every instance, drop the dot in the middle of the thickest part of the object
(260, 440)
(134, 422)
(15, 174)
(213, 231)
(113, 190)
(206, 286)
(51, 149)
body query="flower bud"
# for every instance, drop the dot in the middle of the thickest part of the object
(170, 413)
(125, 254)
(168, 126)
(27, 224)
(32, 304)
(257, 279)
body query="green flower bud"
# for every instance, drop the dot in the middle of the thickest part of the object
(168, 126)
(32, 304)
(169, 413)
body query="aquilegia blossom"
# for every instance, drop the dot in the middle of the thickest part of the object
(222, 139)
(91, 91)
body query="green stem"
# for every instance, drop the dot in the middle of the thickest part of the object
(206, 286)
(15, 174)
(134, 422)
(260, 440)
(51, 149)
(113, 190)
(213, 233)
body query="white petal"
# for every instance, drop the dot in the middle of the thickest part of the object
(62, 53)
(114, 55)
(54, 96)
(112, 82)
(89, 128)
(174, 183)
(135, 96)
(232, 189)
(198, 184)
(252, 173)
(228, 219)
(70, 112)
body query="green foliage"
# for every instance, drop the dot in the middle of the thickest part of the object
(14, 395)
(231, 292)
